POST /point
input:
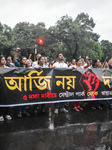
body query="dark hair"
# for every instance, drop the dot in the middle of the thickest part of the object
(89, 59)
(1, 56)
(9, 56)
(73, 59)
(21, 60)
(110, 66)
(94, 62)
(40, 58)
(58, 55)
(78, 59)
(8, 60)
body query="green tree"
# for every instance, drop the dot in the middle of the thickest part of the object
(26, 36)
(73, 36)
(68, 35)
(95, 50)
(85, 22)
(106, 48)
(6, 40)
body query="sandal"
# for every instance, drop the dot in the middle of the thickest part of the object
(8, 117)
(100, 107)
(1, 119)
(26, 114)
(43, 110)
(80, 108)
(19, 115)
(36, 113)
(93, 108)
(76, 109)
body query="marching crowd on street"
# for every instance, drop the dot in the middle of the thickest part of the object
(60, 62)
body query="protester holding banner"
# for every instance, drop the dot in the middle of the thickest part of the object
(88, 63)
(73, 64)
(3, 99)
(83, 62)
(25, 86)
(41, 64)
(79, 63)
(3, 62)
(22, 64)
(35, 63)
(29, 63)
(69, 83)
(110, 67)
(60, 64)
(96, 65)
(46, 62)
(22, 60)
(78, 66)
(9, 62)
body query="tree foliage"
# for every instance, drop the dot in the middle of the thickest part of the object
(95, 50)
(6, 39)
(106, 48)
(72, 37)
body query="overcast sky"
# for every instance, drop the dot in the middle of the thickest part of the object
(49, 11)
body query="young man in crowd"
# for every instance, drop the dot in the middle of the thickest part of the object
(9, 62)
(60, 64)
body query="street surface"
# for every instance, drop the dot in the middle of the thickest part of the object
(85, 130)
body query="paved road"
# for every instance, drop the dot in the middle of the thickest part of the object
(85, 130)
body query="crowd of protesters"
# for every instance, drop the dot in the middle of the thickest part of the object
(42, 62)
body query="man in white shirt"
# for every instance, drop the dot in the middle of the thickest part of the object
(60, 64)
(35, 63)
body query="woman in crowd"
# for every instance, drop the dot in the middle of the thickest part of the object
(97, 65)
(73, 64)
(78, 66)
(29, 63)
(22, 64)
(41, 64)
(5, 110)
